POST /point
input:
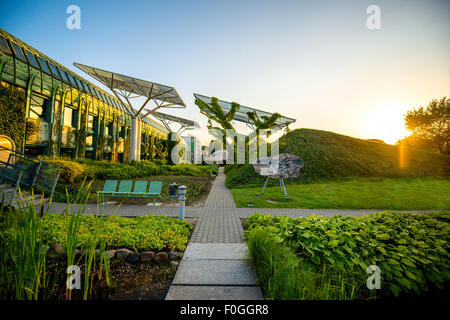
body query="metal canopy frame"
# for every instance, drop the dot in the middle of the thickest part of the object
(168, 119)
(241, 114)
(126, 88)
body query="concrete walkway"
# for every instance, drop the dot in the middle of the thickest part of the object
(215, 265)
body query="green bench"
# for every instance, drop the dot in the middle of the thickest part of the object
(139, 190)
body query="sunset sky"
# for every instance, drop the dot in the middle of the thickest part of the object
(315, 61)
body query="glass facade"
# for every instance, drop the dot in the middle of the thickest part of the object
(50, 130)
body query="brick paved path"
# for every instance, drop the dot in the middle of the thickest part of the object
(219, 220)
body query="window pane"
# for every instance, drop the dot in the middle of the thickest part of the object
(68, 114)
(54, 71)
(32, 59)
(63, 75)
(86, 86)
(37, 108)
(79, 84)
(72, 81)
(18, 52)
(44, 66)
(89, 141)
(90, 124)
(4, 45)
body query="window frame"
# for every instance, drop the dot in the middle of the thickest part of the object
(55, 72)
(8, 51)
(64, 76)
(14, 45)
(42, 62)
(29, 55)
(72, 81)
(80, 84)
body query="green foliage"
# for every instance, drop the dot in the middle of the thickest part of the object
(12, 110)
(432, 123)
(215, 113)
(284, 276)
(23, 256)
(413, 141)
(81, 133)
(104, 170)
(148, 232)
(412, 250)
(328, 155)
(71, 172)
(263, 122)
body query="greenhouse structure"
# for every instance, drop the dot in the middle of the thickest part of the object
(66, 115)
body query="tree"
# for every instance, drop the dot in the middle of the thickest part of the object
(413, 141)
(215, 113)
(431, 123)
(263, 123)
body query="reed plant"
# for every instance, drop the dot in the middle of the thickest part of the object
(23, 258)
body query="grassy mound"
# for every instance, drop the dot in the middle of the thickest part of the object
(328, 155)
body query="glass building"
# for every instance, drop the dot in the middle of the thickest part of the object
(67, 115)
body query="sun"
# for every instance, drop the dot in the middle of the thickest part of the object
(385, 123)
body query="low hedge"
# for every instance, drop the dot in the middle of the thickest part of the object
(71, 172)
(412, 250)
(148, 232)
(76, 170)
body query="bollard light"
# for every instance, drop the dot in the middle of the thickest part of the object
(181, 201)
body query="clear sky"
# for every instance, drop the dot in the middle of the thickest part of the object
(315, 61)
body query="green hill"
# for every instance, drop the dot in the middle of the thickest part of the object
(328, 155)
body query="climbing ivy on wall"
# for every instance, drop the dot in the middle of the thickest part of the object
(126, 147)
(82, 133)
(12, 110)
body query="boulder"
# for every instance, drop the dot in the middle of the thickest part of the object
(175, 254)
(123, 253)
(147, 256)
(161, 256)
(110, 254)
(133, 257)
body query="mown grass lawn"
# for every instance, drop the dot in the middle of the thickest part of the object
(357, 193)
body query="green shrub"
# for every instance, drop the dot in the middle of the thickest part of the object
(244, 175)
(412, 250)
(148, 232)
(284, 276)
(71, 172)
(104, 170)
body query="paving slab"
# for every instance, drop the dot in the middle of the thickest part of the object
(215, 272)
(216, 251)
(214, 293)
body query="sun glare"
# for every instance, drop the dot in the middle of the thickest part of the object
(385, 123)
